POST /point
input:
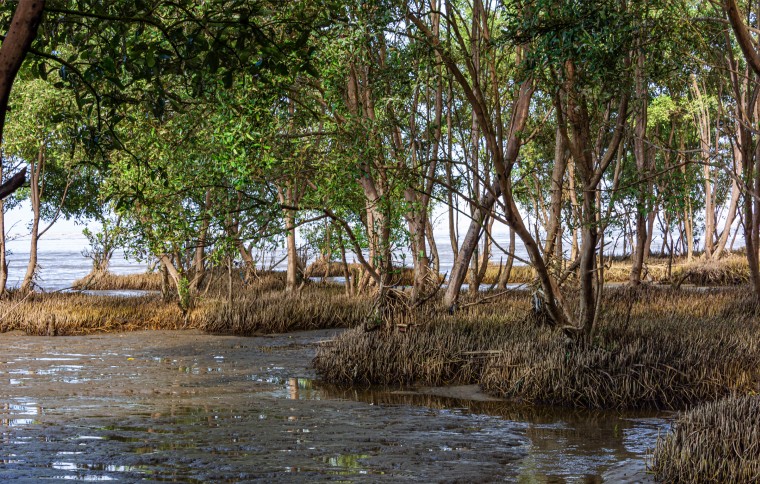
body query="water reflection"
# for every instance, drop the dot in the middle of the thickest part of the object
(302, 389)
(565, 444)
(19, 414)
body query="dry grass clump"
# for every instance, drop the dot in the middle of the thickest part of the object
(260, 305)
(322, 268)
(715, 442)
(655, 270)
(729, 271)
(257, 312)
(518, 274)
(105, 281)
(431, 355)
(675, 349)
(617, 271)
(401, 276)
(442, 351)
(63, 314)
(215, 281)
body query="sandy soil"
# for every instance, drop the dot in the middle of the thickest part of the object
(188, 407)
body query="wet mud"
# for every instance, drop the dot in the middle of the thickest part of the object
(189, 407)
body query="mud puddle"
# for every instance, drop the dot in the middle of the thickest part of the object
(188, 407)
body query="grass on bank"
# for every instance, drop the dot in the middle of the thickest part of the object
(261, 307)
(676, 349)
(714, 442)
(62, 314)
(731, 270)
(107, 281)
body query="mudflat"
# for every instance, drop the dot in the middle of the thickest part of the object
(182, 405)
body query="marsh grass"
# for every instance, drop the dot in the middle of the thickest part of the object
(714, 442)
(267, 311)
(438, 350)
(104, 281)
(63, 314)
(674, 350)
(731, 270)
(401, 276)
(262, 307)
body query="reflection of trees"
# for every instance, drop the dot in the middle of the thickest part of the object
(25, 411)
(302, 389)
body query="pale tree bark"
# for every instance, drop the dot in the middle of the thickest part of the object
(289, 200)
(453, 219)
(469, 244)
(553, 231)
(436, 259)
(703, 123)
(642, 166)
(688, 214)
(507, 272)
(733, 205)
(199, 259)
(36, 188)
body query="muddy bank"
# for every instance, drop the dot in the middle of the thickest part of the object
(158, 406)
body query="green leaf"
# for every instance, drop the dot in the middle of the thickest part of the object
(150, 59)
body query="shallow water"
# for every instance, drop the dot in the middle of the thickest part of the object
(163, 406)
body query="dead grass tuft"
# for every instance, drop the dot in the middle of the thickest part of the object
(63, 314)
(674, 350)
(730, 271)
(258, 312)
(104, 281)
(715, 442)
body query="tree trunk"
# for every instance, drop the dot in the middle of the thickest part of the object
(435, 257)
(642, 165)
(587, 266)
(199, 266)
(558, 176)
(35, 186)
(3, 260)
(419, 256)
(732, 207)
(504, 277)
(651, 216)
(291, 283)
(22, 31)
(703, 122)
(469, 244)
